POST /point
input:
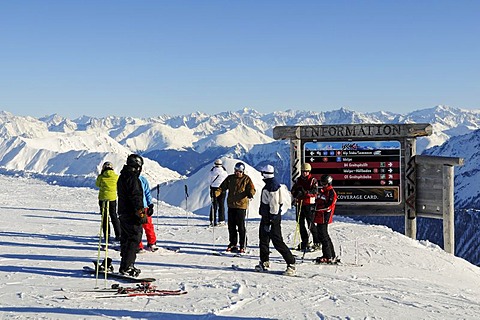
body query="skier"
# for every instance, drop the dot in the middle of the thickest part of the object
(107, 198)
(304, 191)
(132, 213)
(240, 190)
(148, 227)
(324, 210)
(270, 224)
(217, 174)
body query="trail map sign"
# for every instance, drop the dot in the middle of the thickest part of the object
(363, 172)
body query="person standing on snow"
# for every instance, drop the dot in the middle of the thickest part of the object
(133, 213)
(240, 190)
(216, 175)
(270, 224)
(107, 199)
(324, 210)
(148, 227)
(304, 191)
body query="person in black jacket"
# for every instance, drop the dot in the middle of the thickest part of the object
(132, 213)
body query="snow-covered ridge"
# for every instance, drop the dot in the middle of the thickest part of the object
(55, 145)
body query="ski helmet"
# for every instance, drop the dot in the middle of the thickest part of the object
(306, 167)
(268, 171)
(326, 180)
(107, 166)
(239, 166)
(218, 162)
(135, 161)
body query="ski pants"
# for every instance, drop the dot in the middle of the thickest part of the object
(327, 245)
(236, 221)
(275, 235)
(131, 236)
(307, 215)
(218, 204)
(112, 213)
(149, 232)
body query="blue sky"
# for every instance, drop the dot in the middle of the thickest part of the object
(148, 58)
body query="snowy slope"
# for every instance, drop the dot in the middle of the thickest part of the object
(54, 234)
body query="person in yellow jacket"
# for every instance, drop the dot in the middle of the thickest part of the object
(240, 190)
(107, 199)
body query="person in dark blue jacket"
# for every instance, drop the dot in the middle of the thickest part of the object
(270, 224)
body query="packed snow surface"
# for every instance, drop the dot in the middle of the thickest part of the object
(48, 233)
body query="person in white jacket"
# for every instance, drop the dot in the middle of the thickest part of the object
(217, 174)
(270, 224)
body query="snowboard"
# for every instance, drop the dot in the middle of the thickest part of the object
(116, 275)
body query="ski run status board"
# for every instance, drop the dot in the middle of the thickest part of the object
(363, 172)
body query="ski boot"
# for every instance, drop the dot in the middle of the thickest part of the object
(232, 249)
(105, 265)
(131, 272)
(291, 270)
(262, 266)
(152, 247)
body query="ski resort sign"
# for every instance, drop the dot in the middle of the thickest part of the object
(365, 172)
(368, 162)
(375, 171)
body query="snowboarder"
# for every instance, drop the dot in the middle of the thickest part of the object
(270, 224)
(304, 191)
(324, 209)
(148, 227)
(132, 213)
(107, 198)
(240, 190)
(217, 174)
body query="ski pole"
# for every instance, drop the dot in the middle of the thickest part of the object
(102, 212)
(213, 225)
(107, 215)
(297, 228)
(309, 231)
(212, 209)
(158, 192)
(186, 202)
(246, 219)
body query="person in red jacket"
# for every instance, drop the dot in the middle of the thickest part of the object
(324, 209)
(304, 191)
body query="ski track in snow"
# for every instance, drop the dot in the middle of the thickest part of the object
(52, 238)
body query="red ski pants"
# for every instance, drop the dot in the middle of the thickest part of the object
(149, 232)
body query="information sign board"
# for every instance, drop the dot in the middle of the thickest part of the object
(363, 172)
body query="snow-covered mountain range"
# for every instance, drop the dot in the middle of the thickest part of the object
(179, 149)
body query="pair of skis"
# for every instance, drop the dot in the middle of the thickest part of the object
(144, 289)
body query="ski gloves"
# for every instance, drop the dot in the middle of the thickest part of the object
(150, 210)
(298, 193)
(142, 216)
(272, 218)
